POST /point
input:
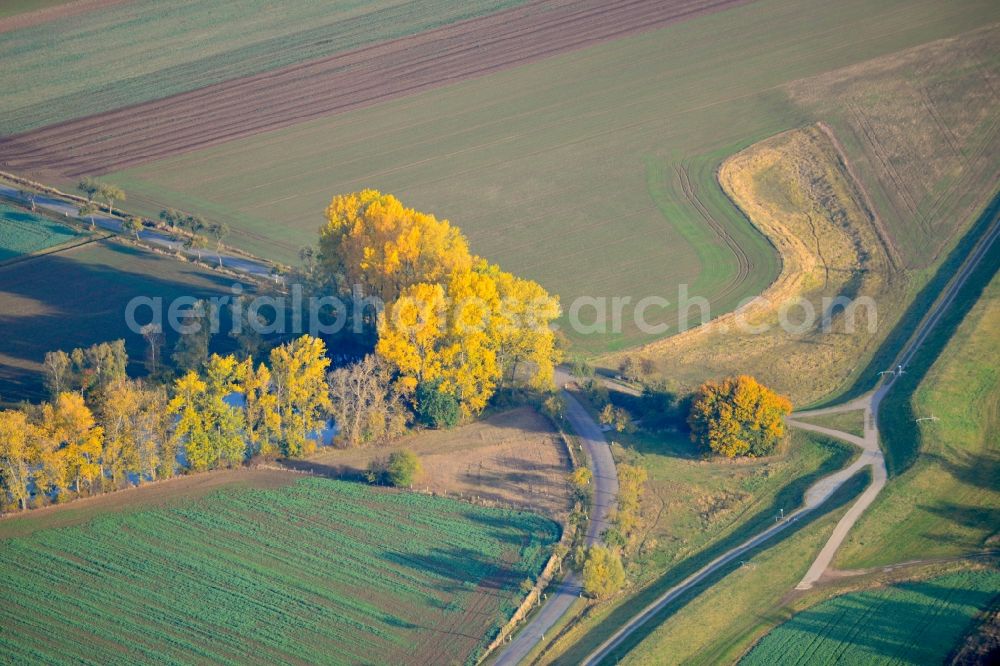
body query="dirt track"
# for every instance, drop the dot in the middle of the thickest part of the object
(271, 100)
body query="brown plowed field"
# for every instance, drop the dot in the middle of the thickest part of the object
(242, 107)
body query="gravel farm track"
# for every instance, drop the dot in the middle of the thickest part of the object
(271, 100)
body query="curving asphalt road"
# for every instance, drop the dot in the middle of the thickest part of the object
(602, 464)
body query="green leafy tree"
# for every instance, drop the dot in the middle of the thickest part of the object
(435, 407)
(402, 468)
(89, 187)
(172, 217)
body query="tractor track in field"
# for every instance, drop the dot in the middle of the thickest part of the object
(242, 107)
(744, 265)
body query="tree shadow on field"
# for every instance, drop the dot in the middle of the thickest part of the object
(893, 342)
(622, 614)
(457, 569)
(979, 469)
(56, 301)
(901, 434)
(502, 530)
(882, 622)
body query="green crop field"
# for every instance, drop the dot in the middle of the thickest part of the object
(315, 571)
(120, 55)
(592, 172)
(24, 233)
(76, 297)
(908, 623)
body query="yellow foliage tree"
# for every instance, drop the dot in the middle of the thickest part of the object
(523, 329)
(372, 240)
(469, 334)
(738, 417)
(263, 422)
(298, 374)
(192, 428)
(603, 572)
(73, 435)
(15, 455)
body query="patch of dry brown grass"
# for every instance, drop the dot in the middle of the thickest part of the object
(797, 189)
(514, 458)
(922, 130)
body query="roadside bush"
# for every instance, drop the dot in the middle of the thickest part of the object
(603, 573)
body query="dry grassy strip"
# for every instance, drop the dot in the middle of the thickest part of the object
(797, 190)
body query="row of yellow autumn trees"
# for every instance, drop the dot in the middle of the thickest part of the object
(102, 428)
(451, 320)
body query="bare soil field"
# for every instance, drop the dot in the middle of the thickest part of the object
(509, 459)
(250, 105)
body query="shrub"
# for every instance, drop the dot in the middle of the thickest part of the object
(436, 408)
(402, 467)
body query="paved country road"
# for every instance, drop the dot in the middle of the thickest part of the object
(605, 491)
(64, 208)
(819, 492)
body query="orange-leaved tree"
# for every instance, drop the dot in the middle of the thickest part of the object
(738, 417)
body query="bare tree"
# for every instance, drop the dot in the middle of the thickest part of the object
(154, 339)
(29, 196)
(58, 372)
(218, 231)
(89, 210)
(366, 404)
